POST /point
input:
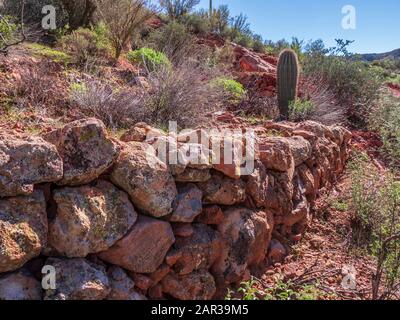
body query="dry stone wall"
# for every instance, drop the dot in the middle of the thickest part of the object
(116, 222)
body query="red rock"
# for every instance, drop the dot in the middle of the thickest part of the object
(212, 215)
(25, 162)
(86, 150)
(198, 285)
(146, 179)
(187, 205)
(144, 248)
(23, 230)
(276, 252)
(183, 230)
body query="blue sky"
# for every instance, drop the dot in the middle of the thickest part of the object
(377, 28)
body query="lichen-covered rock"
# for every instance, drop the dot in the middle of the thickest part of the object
(78, 279)
(20, 285)
(122, 287)
(301, 149)
(25, 162)
(86, 150)
(90, 218)
(193, 175)
(199, 251)
(199, 285)
(23, 229)
(141, 132)
(246, 235)
(146, 179)
(144, 248)
(222, 190)
(257, 186)
(276, 154)
(187, 205)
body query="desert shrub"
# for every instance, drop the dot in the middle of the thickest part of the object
(376, 226)
(178, 8)
(124, 20)
(84, 47)
(258, 44)
(40, 86)
(116, 108)
(8, 28)
(174, 41)
(353, 83)
(327, 108)
(180, 94)
(300, 110)
(149, 58)
(385, 119)
(196, 23)
(233, 89)
(220, 20)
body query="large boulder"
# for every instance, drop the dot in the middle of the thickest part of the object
(198, 251)
(122, 287)
(26, 162)
(222, 190)
(78, 279)
(90, 219)
(86, 150)
(246, 235)
(144, 248)
(20, 286)
(23, 229)
(188, 204)
(199, 285)
(276, 153)
(146, 179)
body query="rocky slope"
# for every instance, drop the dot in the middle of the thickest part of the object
(116, 222)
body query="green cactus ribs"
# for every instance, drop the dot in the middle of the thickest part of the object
(287, 80)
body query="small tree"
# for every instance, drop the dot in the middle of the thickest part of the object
(123, 19)
(11, 34)
(178, 8)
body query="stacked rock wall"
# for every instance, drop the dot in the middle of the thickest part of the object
(116, 222)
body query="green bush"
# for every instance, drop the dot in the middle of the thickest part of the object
(8, 28)
(87, 47)
(234, 89)
(385, 119)
(197, 23)
(300, 110)
(376, 226)
(149, 58)
(174, 40)
(354, 84)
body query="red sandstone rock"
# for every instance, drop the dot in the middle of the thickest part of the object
(144, 248)
(25, 162)
(187, 205)
(90, 219)
(223, 190)
(146, 179)
(86, 150)
(23, 229)
(78, 279)
(198, 285)
(212, 215)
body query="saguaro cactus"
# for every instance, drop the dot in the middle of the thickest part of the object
(287, 80)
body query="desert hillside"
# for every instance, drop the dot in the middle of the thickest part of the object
(169, 153)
